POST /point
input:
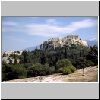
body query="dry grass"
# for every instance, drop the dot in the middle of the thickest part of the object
(90, 75)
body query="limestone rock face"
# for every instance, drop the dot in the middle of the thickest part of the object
(84, 43)
(66, 41)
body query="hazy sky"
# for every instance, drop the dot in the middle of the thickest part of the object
(21, 32)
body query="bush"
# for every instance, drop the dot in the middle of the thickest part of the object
(60, 70)
(89, 63)
(26, 65)
(4, 77)
(6, 68)
(29, 73)
(13, 72)
(68, 70)
(63, 63)
(20, 71)
(38, 70)
(65, 66)
(72, 68)
(51, 70)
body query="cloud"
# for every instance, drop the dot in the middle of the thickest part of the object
(50, 28)
(82, 24)
(54, 30)
(93, 39)
(43, 29)
(51, 21)
(9, 23)
(11, 27)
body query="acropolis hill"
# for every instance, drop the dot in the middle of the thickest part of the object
(66, 41)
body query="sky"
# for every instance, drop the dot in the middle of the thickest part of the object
(19, 33)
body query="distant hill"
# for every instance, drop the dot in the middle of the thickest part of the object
(32, 48)
(91, 43)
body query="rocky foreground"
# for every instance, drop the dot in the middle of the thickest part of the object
(90, 75)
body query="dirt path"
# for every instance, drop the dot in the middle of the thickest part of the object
(91, 75)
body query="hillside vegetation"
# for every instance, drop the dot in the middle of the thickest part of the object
(39, 62)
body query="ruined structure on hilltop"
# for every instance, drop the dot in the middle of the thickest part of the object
(66, 41)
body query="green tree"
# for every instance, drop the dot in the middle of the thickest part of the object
(93, 54)
(25, 56)
(43, 59)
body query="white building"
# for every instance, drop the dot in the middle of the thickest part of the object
(6, 56)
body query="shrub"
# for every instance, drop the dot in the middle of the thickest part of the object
(60, 70)
(63, 63)
(6, 68)
(38, 70)
(72, 68)
(4, 77)
(89, 63)
(21, 72)
(13, 71)
(68, 70)
(29, 73)
(27, 65)
(51, 70)
(65, 66)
